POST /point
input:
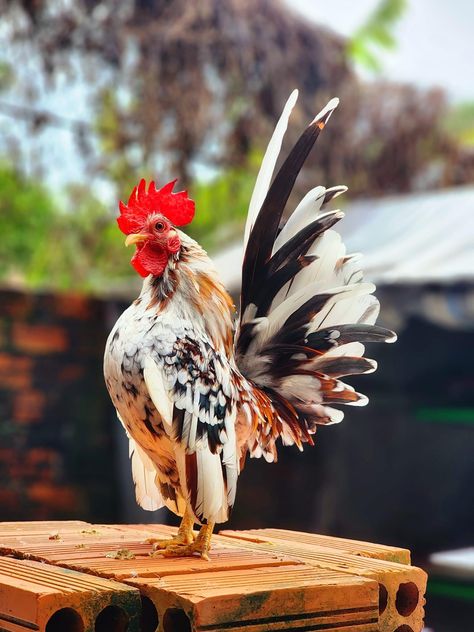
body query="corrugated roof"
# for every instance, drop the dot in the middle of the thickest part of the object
(413, 239)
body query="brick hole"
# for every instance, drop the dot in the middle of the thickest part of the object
(404, 628)
(176, 620)
(111, 619)
(383, 598)
(149, 620)
(65, 620)
(407, 599)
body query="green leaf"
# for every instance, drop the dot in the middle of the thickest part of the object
(376, 33)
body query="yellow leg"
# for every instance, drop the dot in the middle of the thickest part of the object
(184, 536)
(200, 546)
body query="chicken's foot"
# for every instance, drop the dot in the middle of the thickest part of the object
(184, 536)
(200, 546)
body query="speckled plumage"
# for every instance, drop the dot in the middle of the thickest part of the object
(194, 397)
(165, 326)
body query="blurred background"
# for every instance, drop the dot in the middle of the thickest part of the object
(97, 94)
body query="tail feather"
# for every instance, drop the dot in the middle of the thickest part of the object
(302, 241)
(265, 229)
(305, 311)
(303, 215)
(268, 164)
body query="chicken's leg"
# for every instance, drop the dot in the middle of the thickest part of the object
(201, 545)
(184, 536)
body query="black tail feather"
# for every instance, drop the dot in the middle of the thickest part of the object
(300, 242)
(264, 232)
(263, 296)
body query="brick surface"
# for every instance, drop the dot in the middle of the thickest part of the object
(73, 306)
(39, 527)
(356, 547)
(401, 586)
(85, 547)
(39, 338)
(50, 377)
(33, 595)
(285, 598)
(252, 583)
(28, 405)
(15, 371)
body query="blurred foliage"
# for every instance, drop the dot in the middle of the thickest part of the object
(26, 210)
(376, 34)
(176, 84)
(222, 204)
(182, 80)
(460, 123)
(7, 76)
(46, 246)
(179, 88)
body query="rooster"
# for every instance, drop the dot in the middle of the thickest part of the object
(196, 397)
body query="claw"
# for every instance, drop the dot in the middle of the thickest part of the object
(200, 546)
(187, 550)
(179, 540)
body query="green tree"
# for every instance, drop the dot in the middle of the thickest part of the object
(44, 245)
(26, 210)
(376, 34)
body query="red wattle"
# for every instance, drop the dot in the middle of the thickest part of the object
(150, 259)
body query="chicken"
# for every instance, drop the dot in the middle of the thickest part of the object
(195, 397)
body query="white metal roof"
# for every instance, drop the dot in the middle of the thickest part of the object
(414, 239)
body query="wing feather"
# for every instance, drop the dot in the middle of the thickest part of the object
(193, 393)
(144, 476)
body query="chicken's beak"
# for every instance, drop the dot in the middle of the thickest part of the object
(135, 239)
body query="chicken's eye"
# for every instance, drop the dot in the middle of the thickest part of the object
(160, 227)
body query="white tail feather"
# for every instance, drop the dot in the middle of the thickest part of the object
(267, 168)
(304, 214)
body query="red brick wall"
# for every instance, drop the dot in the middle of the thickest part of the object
(56, 446)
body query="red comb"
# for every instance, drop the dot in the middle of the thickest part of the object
(177, 207)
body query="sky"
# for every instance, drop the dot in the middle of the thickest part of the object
(435, 40)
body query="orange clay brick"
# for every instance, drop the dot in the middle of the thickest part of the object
(72, 306)
(15, 535)
(40, 597)
(50, 495)
(287, 581)
(263, 599)
(401, 586)
(263, 590)
(355, 547)
(15, 372)
(94, 549)
(40, 527)
(104, 557)
(39, 338)
(277, 614)
(28, 405)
